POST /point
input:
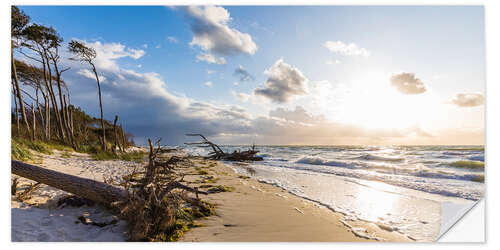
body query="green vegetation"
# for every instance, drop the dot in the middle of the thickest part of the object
(185, 220)
(468, 164)
(479, 178)
(130, 156)
(20, 152)
(209, 179)
(220, 188)
(66, 154)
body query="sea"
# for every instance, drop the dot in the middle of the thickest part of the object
(400, 188)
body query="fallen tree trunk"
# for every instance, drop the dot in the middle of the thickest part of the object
(86, 188)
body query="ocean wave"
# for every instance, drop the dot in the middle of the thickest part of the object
(476, 165)
(370, 157)
(320, 161)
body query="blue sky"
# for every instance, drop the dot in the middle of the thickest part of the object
(316, 75)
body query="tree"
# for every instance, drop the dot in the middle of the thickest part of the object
(19, 20)
(45, 42)
(87, 54)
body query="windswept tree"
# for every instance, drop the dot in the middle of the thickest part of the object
(45, 42)
(19, 20)
(87, 54)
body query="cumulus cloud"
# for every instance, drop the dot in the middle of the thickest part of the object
(297, 115)
(210, 25)
(209, 58)
(407, 83)
(243, 74)
(284, 81)
(208, 84)
(468, 99)
(108, 53)
(350, 49)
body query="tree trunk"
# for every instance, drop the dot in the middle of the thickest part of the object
(18, 91)
(100, 106)
(117, 143)
(53, 98)
(86, 188)
(16, 112)
(33, 135)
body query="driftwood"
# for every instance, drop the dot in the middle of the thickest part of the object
(147, 202)
(218, 154)
(87, 188)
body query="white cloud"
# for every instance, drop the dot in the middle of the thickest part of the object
(211, 71)
(87, 73)
(210, 25)
(157, 46)
(351, 49)
(172, 39)
(208, 84)
(235, 83)
(209, 58)
(139, 65)
(297, 115)
(284, 81)
(145, 46)
(468, 99)
(108, 53)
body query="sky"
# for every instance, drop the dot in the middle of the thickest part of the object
(322, 75)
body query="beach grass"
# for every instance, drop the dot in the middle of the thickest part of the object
(127, 156)
(20, 152)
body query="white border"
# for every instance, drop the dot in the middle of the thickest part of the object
(492, 9)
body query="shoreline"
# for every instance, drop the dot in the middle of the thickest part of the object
(257, 211)
(251, 211)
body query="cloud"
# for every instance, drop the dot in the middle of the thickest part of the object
(468, 99)
(297, 115)
(210, 71)
(148, 110)
(284, 81)
(208, 84)
(209, 58)
(145, 45)
(108, 53)
(351, 49)
(210, 25)
(87, 73)
(172, 39)
(407, 83)
(243, 74)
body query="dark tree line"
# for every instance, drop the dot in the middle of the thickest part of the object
(50, 105)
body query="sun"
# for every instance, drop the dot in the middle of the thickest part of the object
(372, 103)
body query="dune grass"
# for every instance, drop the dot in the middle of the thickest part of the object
(127, 156)
(20, 152)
